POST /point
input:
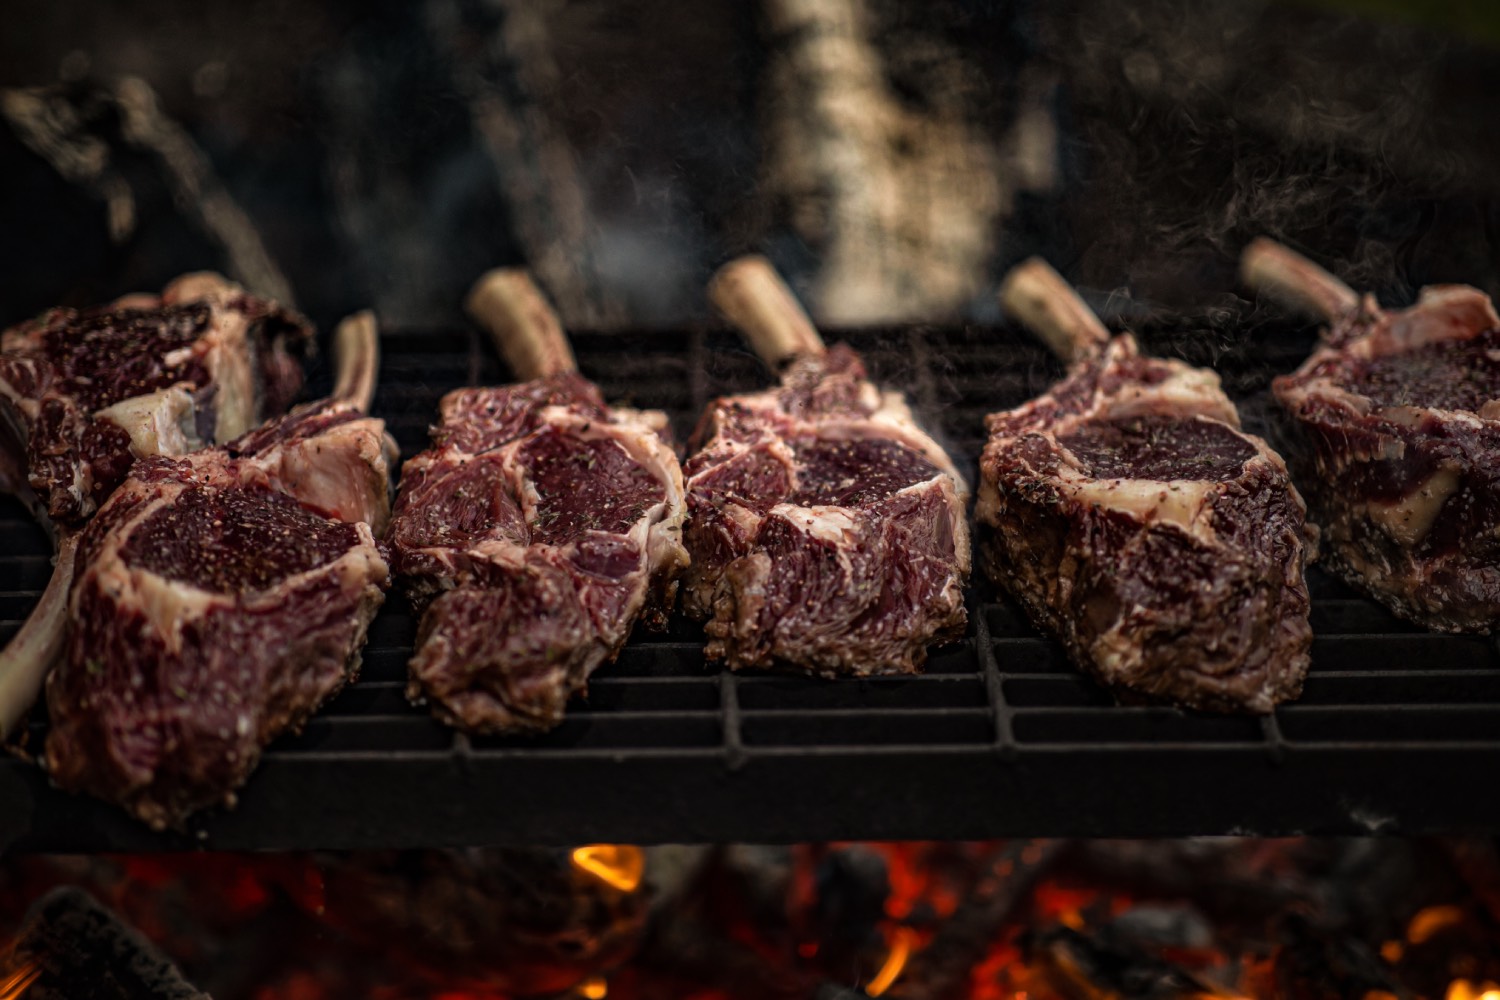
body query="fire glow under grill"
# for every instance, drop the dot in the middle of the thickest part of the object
(1000, 736)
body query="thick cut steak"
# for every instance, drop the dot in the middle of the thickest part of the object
(219, 598)
(1132, 519)
(85, 393)
(827, 530)
(534, 531)
(1393, 433)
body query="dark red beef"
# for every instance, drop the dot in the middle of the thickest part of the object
(827, 530)
(1392, 429)
(219, 599)
(87, 392)
(1163, 547)
(534, 531)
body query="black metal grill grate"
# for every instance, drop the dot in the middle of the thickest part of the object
(1399, 729)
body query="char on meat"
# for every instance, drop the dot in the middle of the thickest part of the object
(1131, 518)
(83, 393)
(534, 531)
(1393, 432)
(828, 531)
(219, 598)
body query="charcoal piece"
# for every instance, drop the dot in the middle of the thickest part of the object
(79, 950)
(941, 970)
(1314, 963)
(523, 921)
(1101, 966)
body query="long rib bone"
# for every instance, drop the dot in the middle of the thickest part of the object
(356, 349)
(754, 298)
(33, 650)
(527, 332)
(1291, 278)
(31, 653)
(1045, 303)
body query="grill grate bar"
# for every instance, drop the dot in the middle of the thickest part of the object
(999, 737)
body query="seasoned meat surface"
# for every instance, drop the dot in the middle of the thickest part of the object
(83, 393)
(1393, 431)
(534, 532)
(1132, 519)
(220, 597)
(828, 532)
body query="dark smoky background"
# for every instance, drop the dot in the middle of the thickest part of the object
(892, 158)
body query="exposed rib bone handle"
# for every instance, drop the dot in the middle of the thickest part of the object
(33, 650)
(507, 303)
(1295, 281)
(1047, 305)
(356, 357)
(750, 293)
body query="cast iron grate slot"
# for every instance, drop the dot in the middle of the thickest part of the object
(999, 736)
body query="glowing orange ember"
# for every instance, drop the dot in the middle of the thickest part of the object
(895, 961)
(617, 865)
(1463, 989)
(1430, 921)
(594, 989)
(19, 981)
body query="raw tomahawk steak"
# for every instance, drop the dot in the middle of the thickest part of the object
(85, 393)
(827, 530)
(1393, 432)
(220, 597)
(534, 530)
(1132, 519)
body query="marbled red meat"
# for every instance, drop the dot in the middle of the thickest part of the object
(534, 532)
(1132, 519)
(827, 530)
(1393, 432)
(219, 598)
(85, 393)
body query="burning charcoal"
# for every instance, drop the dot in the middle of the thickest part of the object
(763, 878)
(1137, 524)
(1316, 964)
(1101, 966)
(1005, 879)
(72, 947)
(852, 885)
(521, 920)
(1160, 926)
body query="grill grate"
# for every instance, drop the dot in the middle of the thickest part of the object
(1000, 737)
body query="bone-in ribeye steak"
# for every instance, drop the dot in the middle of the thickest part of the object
(1164, 548)
(85, 393)
(534, 530)
(219, 598)
(827, 530)
(1393, 434)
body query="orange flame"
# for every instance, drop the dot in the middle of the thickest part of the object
(594, 989)
(1463, 989)
(895, 961)
(18, 981)
(619, 866)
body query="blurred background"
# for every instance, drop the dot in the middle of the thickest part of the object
(892, 158)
